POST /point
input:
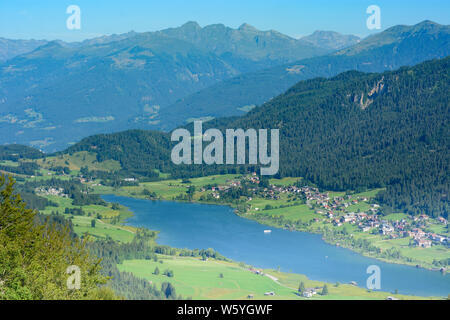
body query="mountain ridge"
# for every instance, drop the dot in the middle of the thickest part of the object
(60, 92)
(388, 50)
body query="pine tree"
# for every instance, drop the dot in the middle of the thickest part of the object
(325, 290)
(301, 288)
(168, 289)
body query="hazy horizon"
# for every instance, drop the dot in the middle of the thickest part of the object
(46, 20)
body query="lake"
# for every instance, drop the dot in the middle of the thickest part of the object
(200, 226)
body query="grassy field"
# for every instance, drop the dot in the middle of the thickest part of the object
(419, 255)
(301, 212)
(396, 217)
(78, 160)
(104, 211)
(167, 189)
(284, 181)
(82, 226)
(202, 280)
(9, 163)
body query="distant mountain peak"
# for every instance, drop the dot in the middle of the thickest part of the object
(52, 44)
(323, 32)
(247, 27)
(191, 25)
(428, 22)
(396, 34)
(426, 25)
(331, 39)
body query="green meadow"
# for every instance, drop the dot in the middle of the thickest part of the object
(102, 230)
(300, 212)
(167, 189)
(9, 163)
(78, 160)
(219, 280)
(287, 181)
(104, 211)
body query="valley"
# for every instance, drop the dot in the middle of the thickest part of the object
(277, 203)
(332, 184)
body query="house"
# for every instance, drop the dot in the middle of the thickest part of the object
(337, 223)
(437, 238)
(308, 293)
(417, 233)
(270, 293)
(386, 229)
(350, 217)
(423, 243)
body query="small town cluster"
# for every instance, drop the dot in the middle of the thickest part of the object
(335, 210)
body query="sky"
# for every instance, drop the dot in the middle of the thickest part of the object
(46, 19)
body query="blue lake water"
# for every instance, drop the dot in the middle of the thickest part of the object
(199, 226)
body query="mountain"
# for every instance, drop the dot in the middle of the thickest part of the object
(59, 92)
(395, 47)
(12, 48)
(351, 132)
(101, 39)
(246, 42)
(331, 40)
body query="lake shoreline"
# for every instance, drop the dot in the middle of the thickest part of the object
(329, 241)
(235, 213)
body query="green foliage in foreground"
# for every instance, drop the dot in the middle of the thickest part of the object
(34, 258)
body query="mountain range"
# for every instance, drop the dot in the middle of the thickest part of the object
(395, 47)
(59, 93)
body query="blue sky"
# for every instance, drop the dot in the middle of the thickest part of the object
(46, 19)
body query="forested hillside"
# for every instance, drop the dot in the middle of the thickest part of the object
(139, 152)
(15, 152)
(353, 131)
(367, 130)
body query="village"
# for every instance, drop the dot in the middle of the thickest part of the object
(335, 210)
